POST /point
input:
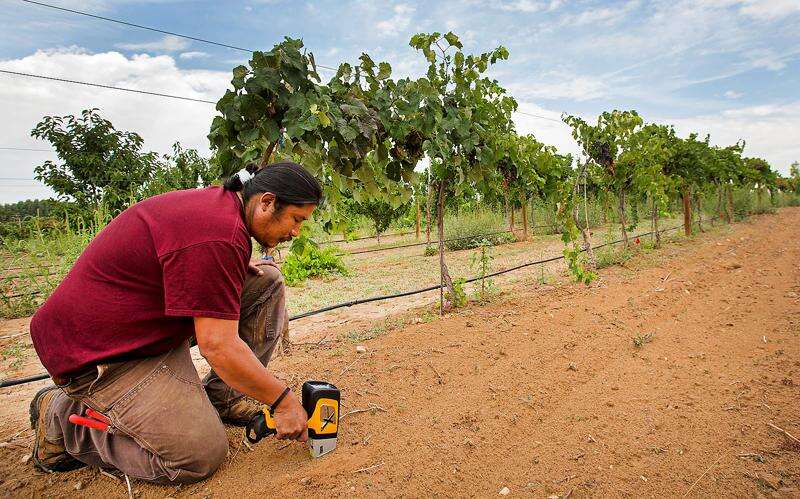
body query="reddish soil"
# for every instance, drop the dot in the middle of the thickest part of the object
(545, 393)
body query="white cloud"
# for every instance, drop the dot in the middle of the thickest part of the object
(521, 6)
(561, 85)
(603, 15)
(398, 23)
(194, 55)
(769, 10)
(160, 121)
(168, 43)
(546, 125)
(732, 94)
(770, 131)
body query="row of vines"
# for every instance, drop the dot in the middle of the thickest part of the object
(385, 148)
(364, 133)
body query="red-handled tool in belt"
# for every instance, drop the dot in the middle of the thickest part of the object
(93, 420)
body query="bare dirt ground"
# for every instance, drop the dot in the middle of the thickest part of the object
(544, 391)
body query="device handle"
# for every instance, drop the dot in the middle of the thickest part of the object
(261, 425)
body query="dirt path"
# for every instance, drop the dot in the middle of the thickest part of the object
(546, 394)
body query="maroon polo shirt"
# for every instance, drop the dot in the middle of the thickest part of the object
(136, 287)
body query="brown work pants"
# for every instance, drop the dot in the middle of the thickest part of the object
(164, 425)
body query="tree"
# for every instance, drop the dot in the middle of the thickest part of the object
(794, 177)
(279, 107)
(462, 115)
(183, 169)
(603, 144)
(728, 170)
(645, 158)
(761, 176)
(97, 163)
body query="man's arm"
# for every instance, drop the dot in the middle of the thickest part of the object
(239, 368)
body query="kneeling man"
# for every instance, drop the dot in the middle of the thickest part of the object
(115, 334)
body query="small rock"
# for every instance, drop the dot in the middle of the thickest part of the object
(305, 481)
(78, 485)
(361, 349)
(504, 491)
(572, 366)
(25, 458)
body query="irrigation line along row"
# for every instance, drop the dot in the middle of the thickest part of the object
(42, 376)
(346, 253)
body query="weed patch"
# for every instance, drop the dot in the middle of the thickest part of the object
(641, 339)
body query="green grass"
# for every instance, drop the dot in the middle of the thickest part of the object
(17, 352)
(37, 265)
(641, 339)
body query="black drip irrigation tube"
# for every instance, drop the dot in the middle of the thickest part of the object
(38, 377)
(347, 253)
(436, 242)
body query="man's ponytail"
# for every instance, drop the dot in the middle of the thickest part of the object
(290, 182)
(235, 182)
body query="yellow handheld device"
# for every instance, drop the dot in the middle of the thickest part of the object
(321, 402)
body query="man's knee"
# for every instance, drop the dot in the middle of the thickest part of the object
(271, 275)
(209, 452)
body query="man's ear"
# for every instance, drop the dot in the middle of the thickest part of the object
(266, 199)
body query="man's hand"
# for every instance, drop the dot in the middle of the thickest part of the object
(253, 268)
(239, 368)
(291, 420)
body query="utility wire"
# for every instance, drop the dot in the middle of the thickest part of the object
(149, 28)
(540, 117)
(24, 149)
(146, 92)
(188, 37)
(111, 87)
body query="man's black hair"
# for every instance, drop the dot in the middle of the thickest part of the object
(290, 182)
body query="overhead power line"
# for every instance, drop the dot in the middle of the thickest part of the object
(24, 149)
(156, 94)
(541, 117)
(110, 87)
(172, 33)
(149, 28)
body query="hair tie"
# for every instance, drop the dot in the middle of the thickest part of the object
(244, 175)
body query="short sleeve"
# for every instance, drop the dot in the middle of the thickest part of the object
(204, 280)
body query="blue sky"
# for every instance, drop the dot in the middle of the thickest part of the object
(726, 67)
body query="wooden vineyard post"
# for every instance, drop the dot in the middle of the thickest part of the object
(687, 213)
(511, 222)
(524, 219)
(444, 274)
(729, 207)
(622, 220)
(698, 207)
(418, 218)
(428, 202)
(656, 233)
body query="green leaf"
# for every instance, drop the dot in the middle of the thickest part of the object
(384, 71)
(453, 40)
(349, 133)
(324, 119)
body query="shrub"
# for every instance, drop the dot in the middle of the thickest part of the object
(475, 229)
(460, 298)
(313, 261)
